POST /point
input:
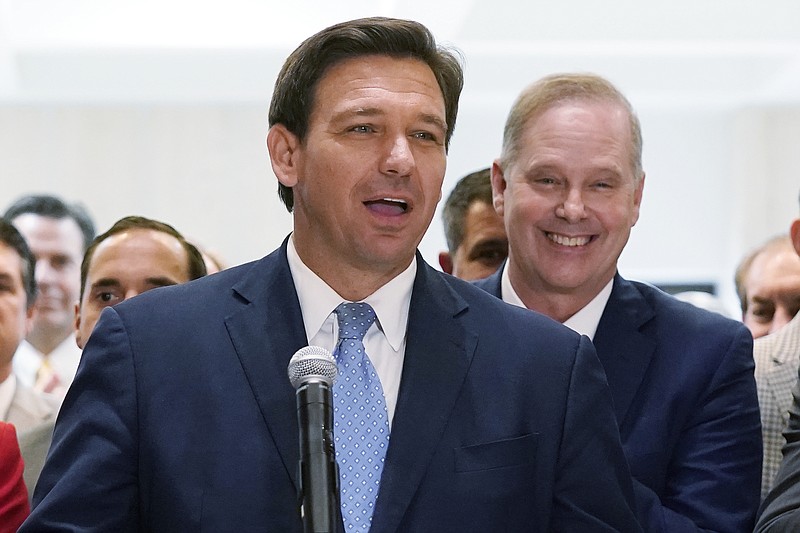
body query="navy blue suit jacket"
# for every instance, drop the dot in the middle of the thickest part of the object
(685, 399)
(181, 417)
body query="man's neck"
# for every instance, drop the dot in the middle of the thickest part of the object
(46, 342)
(559, 305)
(350, 282)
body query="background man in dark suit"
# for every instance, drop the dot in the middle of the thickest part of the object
(182, 418)
(569, 185)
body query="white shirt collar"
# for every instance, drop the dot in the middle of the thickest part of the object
(587, 319)
(64, 360)
(584, 321)
(318, 299)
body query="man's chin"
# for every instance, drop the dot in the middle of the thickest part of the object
(54, 322)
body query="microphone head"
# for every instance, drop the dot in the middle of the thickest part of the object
(312, 363)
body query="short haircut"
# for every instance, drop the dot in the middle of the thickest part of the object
(11, 237)
(52, 207)
(556, 89)
(196, 267)
(474, 187)
(740, 277)
(295, 89)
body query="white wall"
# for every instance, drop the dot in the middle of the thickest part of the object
(719, 181)
(204, 169)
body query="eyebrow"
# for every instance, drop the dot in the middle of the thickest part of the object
(428, 118)
(489, 245)
(161, 281)
(433, 119)
(104, 283)
(158, 281)
(538, 167)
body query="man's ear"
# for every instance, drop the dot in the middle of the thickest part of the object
(498, 187)
(446, 262)
(29, 314)
(283, 150)
(794, 232)
(78, 339)
(637, 199)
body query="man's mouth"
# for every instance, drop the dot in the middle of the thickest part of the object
(387, 206)
(563, 240)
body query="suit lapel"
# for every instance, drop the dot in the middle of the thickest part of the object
(265, 333)
(438, 354)
(623, 347)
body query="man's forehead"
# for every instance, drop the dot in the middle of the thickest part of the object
(137, 238)
(41, 230)
(358, 74)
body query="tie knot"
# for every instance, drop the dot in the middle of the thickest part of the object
(354, 319)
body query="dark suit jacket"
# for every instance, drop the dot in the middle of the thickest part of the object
(182, 418)
(685, 399)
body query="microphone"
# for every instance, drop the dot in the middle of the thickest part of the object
(312, 371)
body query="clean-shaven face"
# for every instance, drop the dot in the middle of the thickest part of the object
(15, 317)
(57, 244)
(124, 265)
(772, 289)
(369, 174)
(484, 246)
(569, 199)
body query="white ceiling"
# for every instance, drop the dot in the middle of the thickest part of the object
(677, 53)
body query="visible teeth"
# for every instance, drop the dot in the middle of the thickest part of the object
(395, 200)
(568, 241)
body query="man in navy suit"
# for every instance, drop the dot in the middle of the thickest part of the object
(569, 185)
(182, 417)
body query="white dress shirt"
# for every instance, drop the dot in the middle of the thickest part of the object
(63, 361)
(385, 341)
(585, 321)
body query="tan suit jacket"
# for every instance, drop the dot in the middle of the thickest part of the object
(34, 445)
(777, 359)
(29, 409)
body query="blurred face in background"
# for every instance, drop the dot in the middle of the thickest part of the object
(57, 245)
(772, 289)
(15, 314)
(484, 246)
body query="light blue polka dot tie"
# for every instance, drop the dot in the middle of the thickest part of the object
(361, 422)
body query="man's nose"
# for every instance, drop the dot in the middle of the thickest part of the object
(572, 208)
(44, 272)
(399, 158)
